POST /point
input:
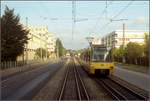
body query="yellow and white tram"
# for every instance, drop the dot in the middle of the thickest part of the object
(99, 59)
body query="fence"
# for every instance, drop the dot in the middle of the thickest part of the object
(14, 64)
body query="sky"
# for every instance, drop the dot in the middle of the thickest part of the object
(92, 18)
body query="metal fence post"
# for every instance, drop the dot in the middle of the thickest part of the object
(10, 64)
(6, 64)
(2, 65)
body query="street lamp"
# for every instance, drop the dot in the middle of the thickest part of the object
(89, 39)
(122, 30)
(27, 43)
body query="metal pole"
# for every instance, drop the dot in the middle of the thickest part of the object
(123, 35)
(57, 50)
(46, 53)
(123, 41)
(27, 43)
(41, 52)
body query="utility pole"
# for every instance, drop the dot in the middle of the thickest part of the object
(27, 43)
(41, 52)
(90, 39)
(123, 43)
(74, 19)
(46, 51)
(46, 46)
(123, 37)
(57, 50)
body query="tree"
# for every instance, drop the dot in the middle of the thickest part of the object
(41, 52)
(13, 36)
(59, 49)
(133, 51)
(119, 53)
(116, 53)
(146, 45)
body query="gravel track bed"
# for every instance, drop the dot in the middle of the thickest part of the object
(128, 85)
(70, 92)
(95, 91)
(9, 86)
(49, 91)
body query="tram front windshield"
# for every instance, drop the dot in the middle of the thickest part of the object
(100, 54)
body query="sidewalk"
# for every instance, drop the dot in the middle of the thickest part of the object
(138, 79)
(135, 68)
(13, 70)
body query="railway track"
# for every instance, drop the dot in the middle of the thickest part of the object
(77, 93)
(118, 91)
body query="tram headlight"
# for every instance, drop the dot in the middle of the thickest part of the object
(92, 67)
(111, 67)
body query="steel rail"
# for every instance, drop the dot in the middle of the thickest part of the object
(64, 85)
(82, 85)
(119, 92)
(108, 89)
(119, 95)
(130, 90)
(77, 83)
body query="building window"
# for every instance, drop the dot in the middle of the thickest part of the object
(116, 35)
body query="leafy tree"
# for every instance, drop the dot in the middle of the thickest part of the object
(82, 50)
(146, 45)
(41, 52)
(134, 50)
(116, 53)
(59, 47)
(13, 36)
(119, 53)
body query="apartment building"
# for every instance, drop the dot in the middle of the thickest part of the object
(51, 43)
(97, 41)
(116, 38)
(39, 38)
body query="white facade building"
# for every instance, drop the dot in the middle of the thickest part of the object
(51, 42)
(96, 41)
(39, 38)
(116, 38)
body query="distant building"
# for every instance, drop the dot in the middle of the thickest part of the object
(67, 54)
(40, 31)
(51, 43)
(97, 41)
(116, 38)
(39, 38)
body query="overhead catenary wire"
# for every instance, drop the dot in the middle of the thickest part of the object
(118, 14)
(100, 17)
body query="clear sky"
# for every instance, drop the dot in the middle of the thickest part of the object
(97, 13)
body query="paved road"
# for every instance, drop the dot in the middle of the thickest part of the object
(21, 85)
(139, 79)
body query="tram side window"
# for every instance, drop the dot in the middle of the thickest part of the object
(109, 57)
(87, 57)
